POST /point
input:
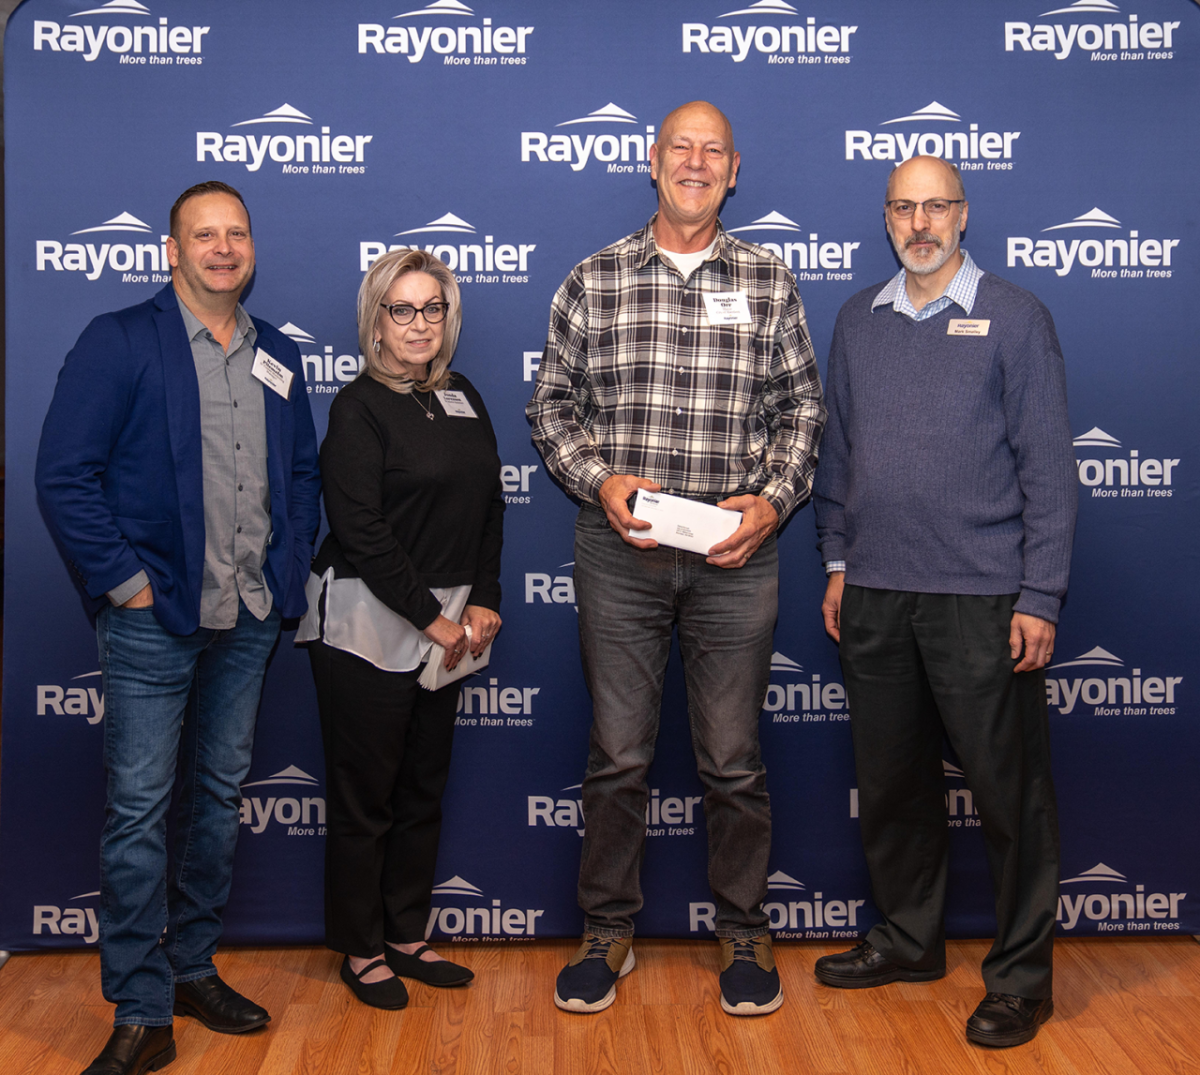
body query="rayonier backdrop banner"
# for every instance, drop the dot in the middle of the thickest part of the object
(511, 138)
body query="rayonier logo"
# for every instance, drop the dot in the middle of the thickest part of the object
(81, 700)
(81, 922)
(1113, 692)
(490, 922)
(472, 262)
(973, 150)
(556, 589)
(514, 481)
(1127, 477)
(138, 263)
(1128, 40)
(809, 259)
(1119, 907)
(792, 42)
(1127, 258)
(459, 45)
(300, 814)
(161, 45)
(494, 706)
(324, 372)
(298, 154)
(799, 702)
(666, 815)
(809, 917)
(624, 152)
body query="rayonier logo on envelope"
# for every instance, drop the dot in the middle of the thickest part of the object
(682, 523)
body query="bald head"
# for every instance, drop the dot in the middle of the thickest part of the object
(927, 169)
(694, 111)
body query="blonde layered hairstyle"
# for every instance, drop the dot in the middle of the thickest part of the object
(383, 273)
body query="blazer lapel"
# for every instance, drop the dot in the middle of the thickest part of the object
(182, 392)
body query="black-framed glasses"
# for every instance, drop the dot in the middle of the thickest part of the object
(934, 208)
(404, 312)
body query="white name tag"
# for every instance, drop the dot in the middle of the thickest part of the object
(455, 404)
(274, 374)
(727, 307)
(960, 326)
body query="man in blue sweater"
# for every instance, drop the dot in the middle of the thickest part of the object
(945, 503)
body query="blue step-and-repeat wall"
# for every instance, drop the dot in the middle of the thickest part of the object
(511, 137)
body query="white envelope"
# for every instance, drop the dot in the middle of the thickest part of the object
(683, 523)
(435, 674)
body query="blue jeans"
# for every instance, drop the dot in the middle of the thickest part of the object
(171, 703)
(629, 602)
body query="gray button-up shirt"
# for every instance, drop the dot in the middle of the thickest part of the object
(237, 495)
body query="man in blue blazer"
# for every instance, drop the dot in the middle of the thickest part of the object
(177, 471)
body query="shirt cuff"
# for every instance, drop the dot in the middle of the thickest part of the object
(779, 495)
(832, 567)
(1043, 606)
(592, 477)
(118, 595)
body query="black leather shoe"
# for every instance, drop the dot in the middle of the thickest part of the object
(1002, 1020)
(438, 972)
(389, 994)
(218, 1006)
(132, 1050)
(863, 966)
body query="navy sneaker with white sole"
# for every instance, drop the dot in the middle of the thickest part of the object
(749, 980)
(589, 982)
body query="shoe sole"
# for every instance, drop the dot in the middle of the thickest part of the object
(581, 1007)
(1017, 1037)
(167, 1056)
(184, 1010)
(900, 974)
(747, 1007)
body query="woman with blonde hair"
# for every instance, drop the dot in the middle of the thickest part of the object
(412, 493)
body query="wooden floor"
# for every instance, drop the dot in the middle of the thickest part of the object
(1122, 1008)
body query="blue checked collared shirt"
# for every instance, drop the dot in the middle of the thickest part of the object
(960, 290)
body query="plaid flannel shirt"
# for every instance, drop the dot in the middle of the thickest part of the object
(634, 379)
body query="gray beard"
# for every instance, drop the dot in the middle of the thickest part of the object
(931, 265)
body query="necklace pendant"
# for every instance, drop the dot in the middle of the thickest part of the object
(429, 415)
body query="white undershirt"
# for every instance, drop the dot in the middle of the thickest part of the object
(688, 263)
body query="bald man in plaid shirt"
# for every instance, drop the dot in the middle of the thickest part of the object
(645, 385)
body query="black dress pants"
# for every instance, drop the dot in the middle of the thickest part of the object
(387, 756)
(917, 665)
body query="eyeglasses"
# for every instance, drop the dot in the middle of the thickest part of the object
(404, 312)
(934, 208)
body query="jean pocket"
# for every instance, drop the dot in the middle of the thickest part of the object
(592, 520)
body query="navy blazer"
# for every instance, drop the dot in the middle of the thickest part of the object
(119, 469)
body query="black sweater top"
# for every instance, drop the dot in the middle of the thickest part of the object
(412, 503)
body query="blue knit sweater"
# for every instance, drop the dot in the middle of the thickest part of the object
(947, 464)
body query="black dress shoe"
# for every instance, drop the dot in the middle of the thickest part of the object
(440, 972)
(389, 994)
(132, 1050)
(863, 966)
(218, 1006)
(1002, 1020)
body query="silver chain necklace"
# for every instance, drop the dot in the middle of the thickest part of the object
(428, 412)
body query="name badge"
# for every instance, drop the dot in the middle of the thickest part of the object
(274, 374)
(960, 326)
(455, 404)
(727, 307)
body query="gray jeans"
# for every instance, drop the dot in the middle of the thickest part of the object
(629, 602)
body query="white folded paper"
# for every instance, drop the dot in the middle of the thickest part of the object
(435, 674)
(682, 523)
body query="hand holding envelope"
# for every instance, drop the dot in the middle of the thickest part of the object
(682, 523)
